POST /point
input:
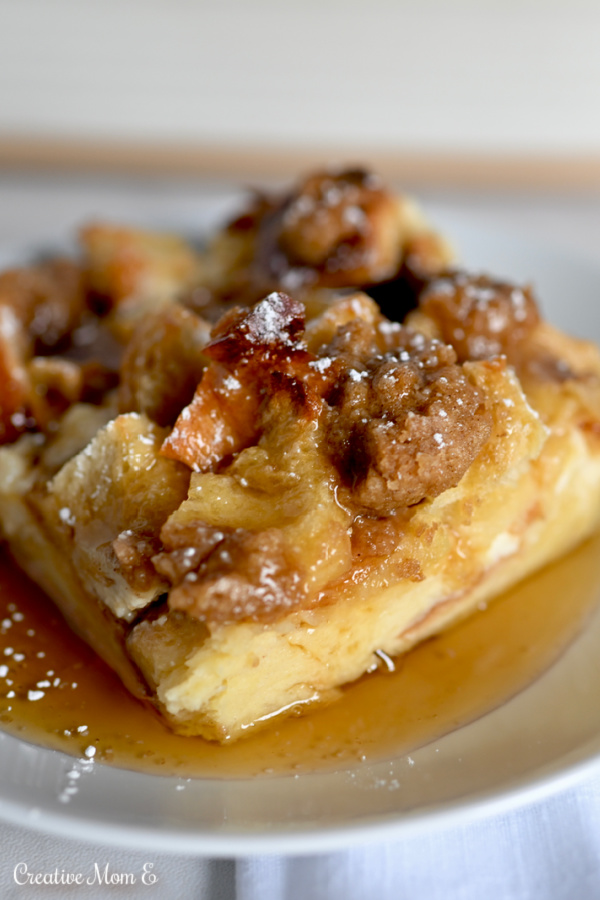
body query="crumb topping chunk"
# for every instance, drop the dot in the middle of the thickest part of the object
(339, 224)
(227, 574)
(48, 300)
(404, 424)
(481, 316)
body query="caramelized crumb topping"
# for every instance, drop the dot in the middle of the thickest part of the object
(15, 408)
(43, 310)
(342, 226)
(403, 425)
(480, 316)
(40, 305)
(47, 299)
(223, 575)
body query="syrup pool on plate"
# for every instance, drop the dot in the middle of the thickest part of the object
(56, 693)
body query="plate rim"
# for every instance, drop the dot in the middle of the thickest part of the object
(299, 841)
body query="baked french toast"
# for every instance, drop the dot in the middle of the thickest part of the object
(249, 474)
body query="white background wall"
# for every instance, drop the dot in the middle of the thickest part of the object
(518, 76)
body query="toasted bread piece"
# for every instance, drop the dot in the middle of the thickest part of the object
(134, 272)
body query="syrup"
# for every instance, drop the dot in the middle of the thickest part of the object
(56, 693)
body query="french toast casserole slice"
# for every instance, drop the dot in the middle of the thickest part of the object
(310, 445)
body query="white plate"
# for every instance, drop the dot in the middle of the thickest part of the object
(545, 738)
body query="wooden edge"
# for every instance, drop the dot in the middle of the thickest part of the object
(451, 169)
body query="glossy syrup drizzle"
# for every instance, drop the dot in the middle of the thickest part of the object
(56, 693)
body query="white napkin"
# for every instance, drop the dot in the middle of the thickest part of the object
(547, 851)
